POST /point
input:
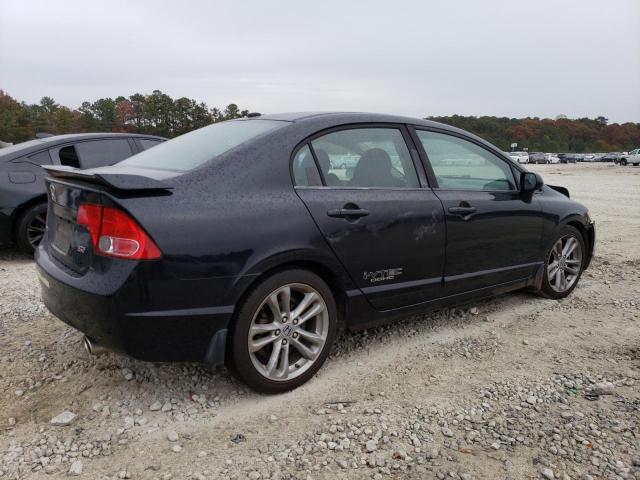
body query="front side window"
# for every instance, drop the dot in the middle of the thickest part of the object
(195, 148)
(365, 157)
(100, 153)
(462, 165)
(305, 171)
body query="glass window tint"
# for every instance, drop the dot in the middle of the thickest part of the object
(41, 158)
(461, 165)
(365, 157)
(99, 153)
(147, 143)
(193, 149)
(305, 172)
(69, 157)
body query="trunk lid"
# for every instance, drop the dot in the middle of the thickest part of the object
(70, 242)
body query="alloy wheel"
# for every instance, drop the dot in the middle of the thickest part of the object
(564, 264)
(36, 229)
(288, 332)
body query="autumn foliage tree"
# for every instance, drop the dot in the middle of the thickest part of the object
(546, 135)
(156, 113)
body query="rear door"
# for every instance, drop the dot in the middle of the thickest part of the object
(362, 188)
(494, 232)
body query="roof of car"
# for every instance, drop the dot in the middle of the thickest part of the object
(29, 146)
(340, 116)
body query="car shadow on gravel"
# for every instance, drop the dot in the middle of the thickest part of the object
(9, 253)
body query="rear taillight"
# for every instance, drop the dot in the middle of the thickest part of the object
(115, 234)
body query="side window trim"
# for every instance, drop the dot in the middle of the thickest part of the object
(427, 164)
(409, 141)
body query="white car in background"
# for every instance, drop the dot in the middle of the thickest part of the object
(520, 157)
(633, 158)
(551, 158)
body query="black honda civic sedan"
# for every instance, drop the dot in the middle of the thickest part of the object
(252, 242)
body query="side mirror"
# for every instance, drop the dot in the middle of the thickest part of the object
(530, 182)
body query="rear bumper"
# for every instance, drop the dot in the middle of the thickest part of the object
(126, 321)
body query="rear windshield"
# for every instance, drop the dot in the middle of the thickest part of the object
(193, 149)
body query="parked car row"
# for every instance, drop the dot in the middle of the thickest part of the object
(23, 198)
(622, 158)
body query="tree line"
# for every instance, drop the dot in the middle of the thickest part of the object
(582, 135)
(156, 114)
(159, 114)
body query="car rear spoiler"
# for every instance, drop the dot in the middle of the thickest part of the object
(119, 181)
(562, 190)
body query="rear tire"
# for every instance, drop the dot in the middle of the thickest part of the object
(283, 331)
(31, 227)
(623, 162)
(564, 263)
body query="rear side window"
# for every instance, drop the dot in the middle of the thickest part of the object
(69, 157)
(41, 158)
(100, 153)
(305, 171)
(462, 165)
(365, 157)
(147, 143)
(194, 149)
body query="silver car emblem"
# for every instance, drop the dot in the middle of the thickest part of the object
(52, 189)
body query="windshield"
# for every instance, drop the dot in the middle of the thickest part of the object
(193, 149)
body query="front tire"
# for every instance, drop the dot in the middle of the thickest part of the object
(623, 162)
(283, 331)
(31, 227)
(564, 263)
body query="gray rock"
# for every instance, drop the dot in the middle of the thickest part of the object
(64, 419)
(603, 388)
(76, 468)
(172, 436)
(371, 446)
(548, 474)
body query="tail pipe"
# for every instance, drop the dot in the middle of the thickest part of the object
(93, 348)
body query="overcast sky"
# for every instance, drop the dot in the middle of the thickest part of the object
(511, 58)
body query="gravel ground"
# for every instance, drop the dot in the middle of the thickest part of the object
(515, 387)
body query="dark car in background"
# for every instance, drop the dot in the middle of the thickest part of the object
(537, 157)
(568, 157)
(246, 243)
(23, 201)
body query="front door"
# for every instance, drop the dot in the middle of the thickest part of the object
(384, 227)
(493, 231)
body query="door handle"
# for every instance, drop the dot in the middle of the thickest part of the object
(462, 210)
(348, 212)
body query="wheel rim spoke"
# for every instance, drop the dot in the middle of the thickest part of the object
(274, 359)
(569, 247)
(312, 312)
(259, 344)
(310, 336)
(305, 351)
(572, 270)
(306, 301)
(259, 328)
(274, 306)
